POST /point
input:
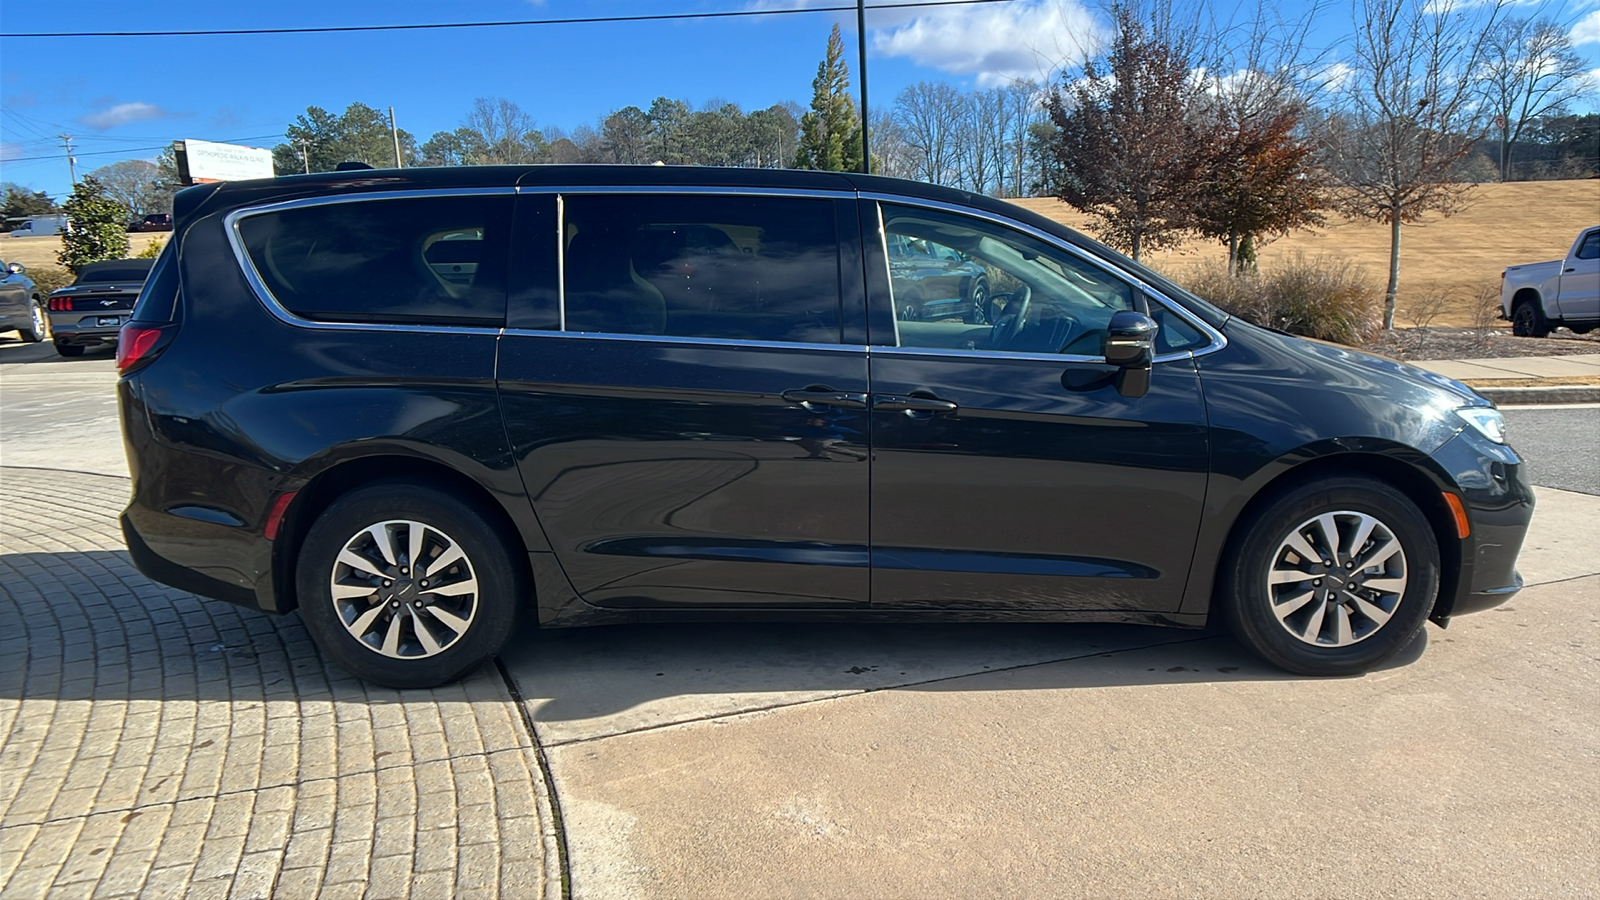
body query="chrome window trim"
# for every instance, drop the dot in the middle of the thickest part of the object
(561, 264)
(1217, 339)
(252, 276)
(675, 339)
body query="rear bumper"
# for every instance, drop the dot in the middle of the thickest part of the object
(80, 328)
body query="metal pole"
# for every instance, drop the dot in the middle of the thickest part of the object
(861, 34)
(72, 168)
(305, 154)
(394, 133)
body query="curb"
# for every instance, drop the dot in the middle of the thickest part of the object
(1573, 393)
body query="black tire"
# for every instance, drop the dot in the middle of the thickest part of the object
(1581, 329)
(978, 297)
(38, 323)
(1527, 320)
(489, 611)
(1263, 552)
(69, 350)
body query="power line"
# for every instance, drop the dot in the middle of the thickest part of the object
(256, 137)
(589, 20)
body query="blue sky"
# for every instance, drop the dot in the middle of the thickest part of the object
(120, 97)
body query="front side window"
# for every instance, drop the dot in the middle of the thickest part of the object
(408, 260)
(739, 268)
(966, 284)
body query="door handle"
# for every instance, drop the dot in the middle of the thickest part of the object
(1573, 269)
(811, 398)
(896, 403)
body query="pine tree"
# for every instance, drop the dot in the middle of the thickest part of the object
(97, 226)
(830, 134)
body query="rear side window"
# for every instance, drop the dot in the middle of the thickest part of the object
(1590, 248)
(158, 300)
(113, 274)
(739, 268)
(414, 260)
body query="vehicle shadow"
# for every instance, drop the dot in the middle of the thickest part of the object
(87, 625)
(584, 682)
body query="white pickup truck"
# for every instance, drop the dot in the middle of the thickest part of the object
(1540, 296)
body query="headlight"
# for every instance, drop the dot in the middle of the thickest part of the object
(1486, 420)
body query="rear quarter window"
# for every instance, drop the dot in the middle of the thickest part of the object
(417, 260)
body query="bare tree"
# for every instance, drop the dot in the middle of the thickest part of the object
(1406, 114)
(509, 134)
(927, 111)
(1530, 70)
(137, 185)
(1024, 110)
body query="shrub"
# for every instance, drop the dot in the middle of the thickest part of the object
(152, 249)
(48, 278)
(96, 226)
(1320, 297)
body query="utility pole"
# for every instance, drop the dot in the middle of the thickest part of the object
(72, 164)
(305, 154)
(861, 34)
(395, 133)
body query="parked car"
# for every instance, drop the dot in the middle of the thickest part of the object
(20, 307)
(153, 222)
(416, 445)
(1541, 296)
(92, 310)
(932, 282)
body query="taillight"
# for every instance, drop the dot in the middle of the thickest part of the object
(138, 344)
(61, 304)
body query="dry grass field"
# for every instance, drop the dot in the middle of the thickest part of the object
(40, 252)
(1502, 225)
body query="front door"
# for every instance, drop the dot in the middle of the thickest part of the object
(1008, 471)
(1580, 281)
(690, 427)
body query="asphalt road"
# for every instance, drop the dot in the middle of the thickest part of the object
(1560, 443)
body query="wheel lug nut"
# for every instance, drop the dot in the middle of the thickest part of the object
(423, 582)
(395, 603)
(402, 570)
(1316, 582)
(387, 582)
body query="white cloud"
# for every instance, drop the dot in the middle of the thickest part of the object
(122, 114)
(1587, 31)
(998, 44)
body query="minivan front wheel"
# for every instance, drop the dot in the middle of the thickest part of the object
(405, 586)
(1333, 577)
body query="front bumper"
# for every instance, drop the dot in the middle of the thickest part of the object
(1492, 482)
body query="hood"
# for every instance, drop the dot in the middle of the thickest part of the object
(1375, 362)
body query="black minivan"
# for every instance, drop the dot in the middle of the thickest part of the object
(417, 404)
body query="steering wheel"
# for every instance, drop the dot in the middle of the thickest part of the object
(1009, 324)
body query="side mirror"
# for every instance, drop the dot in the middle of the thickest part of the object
(1131, 347)
(16, 269)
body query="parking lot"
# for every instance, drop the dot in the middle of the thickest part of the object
(153, 743)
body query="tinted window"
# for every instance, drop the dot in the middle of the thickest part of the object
(426, 259)
(747, 268)
(1590, 248)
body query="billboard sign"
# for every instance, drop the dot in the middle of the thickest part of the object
(200, 162)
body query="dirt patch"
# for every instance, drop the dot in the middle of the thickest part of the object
(1502, 225)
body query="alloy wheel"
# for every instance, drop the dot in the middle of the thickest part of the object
(404, 589)
(1337, 579)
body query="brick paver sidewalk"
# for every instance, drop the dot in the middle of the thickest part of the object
(155, 744)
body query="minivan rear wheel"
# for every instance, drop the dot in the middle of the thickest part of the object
(405, 586)
(1333, 577)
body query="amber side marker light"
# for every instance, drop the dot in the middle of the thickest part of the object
(1463, 529)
